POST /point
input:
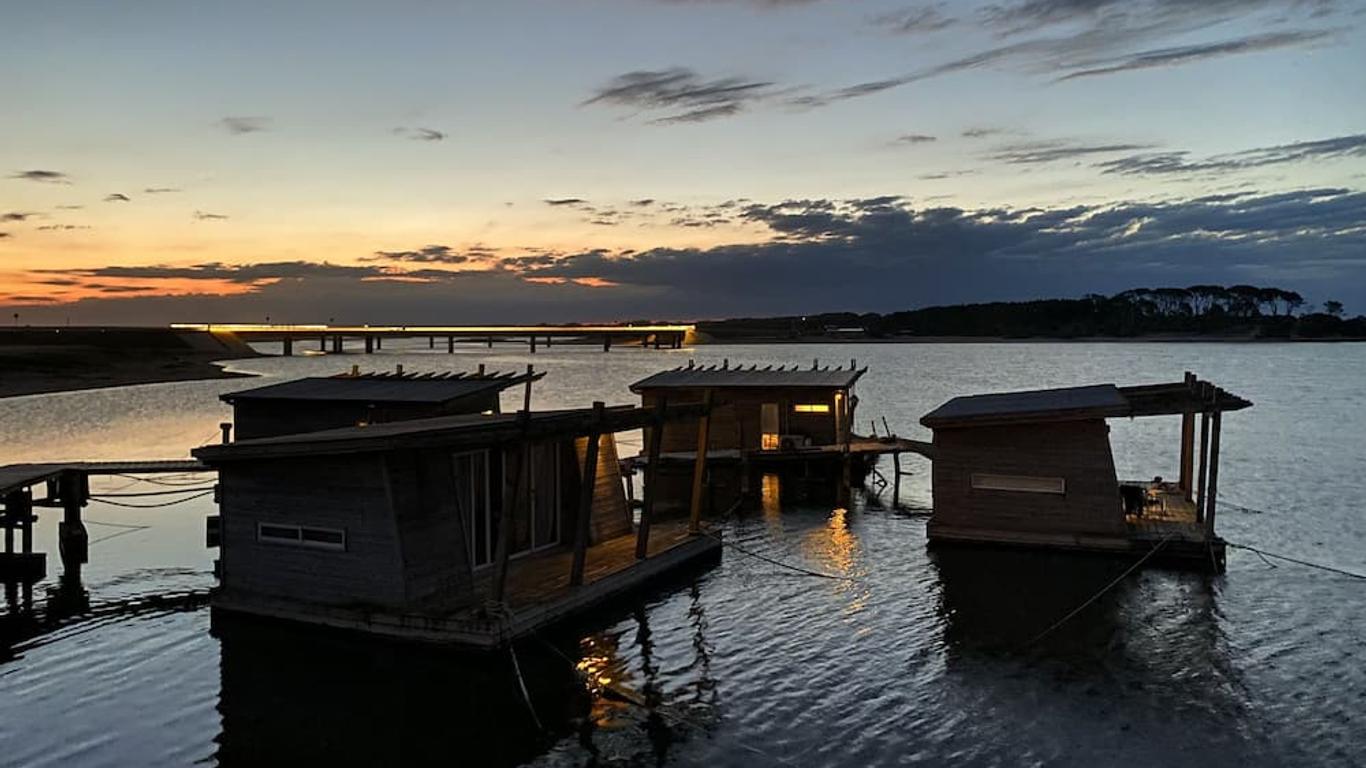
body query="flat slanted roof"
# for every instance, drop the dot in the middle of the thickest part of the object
(1100, 401)
(722, 377)
(463, 431)
(431, 388)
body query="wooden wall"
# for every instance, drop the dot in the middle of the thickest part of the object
(430, 526)
(1078, 452)
(333, 492)
(735, 418)
(611, 512)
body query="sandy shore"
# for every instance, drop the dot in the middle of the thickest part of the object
(34, 361)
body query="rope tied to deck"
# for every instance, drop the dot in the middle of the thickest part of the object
(173, 502)
(1070, 614)
(779, 563)
(1308, 564)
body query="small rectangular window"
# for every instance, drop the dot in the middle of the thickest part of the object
(811, 408)
(333, 539)
(1021, 483)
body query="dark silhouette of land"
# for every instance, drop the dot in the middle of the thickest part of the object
(37, 360)
(1199, 312)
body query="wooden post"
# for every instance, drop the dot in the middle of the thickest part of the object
(526, 395)
(72, 540)
(504, 546)
(699, 468)
(1186, 470)
(1213, 488)
(589, 478)
(896, 483)
(8, 520)
(1204, 463)
(651, 479)
(226, 428)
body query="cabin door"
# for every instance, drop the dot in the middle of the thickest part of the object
(536, 510)
(768, 427)
(472, 502)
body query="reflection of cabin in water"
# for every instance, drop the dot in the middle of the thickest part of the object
(328, 402)
(1035, 469)
(469, 529)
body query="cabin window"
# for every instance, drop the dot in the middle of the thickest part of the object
(472, 498)
(811, 408)
(333, 539)
(1022, 483)
(769, 439)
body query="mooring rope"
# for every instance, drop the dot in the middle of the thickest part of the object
(1308, 564)
(190, 478)
(779, 563)
(1102, 591)
(104, 500)
(188, 489)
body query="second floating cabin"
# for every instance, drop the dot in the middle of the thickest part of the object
(1036, 469)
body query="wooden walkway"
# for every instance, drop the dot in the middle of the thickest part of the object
(17, 477)
(858, 447)
(1168, 513)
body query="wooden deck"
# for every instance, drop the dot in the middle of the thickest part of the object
(537, 595)
(858, 447)
(16, 477)
(1167, 513)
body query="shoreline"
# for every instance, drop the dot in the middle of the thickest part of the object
(46, 361)
(1211, 339)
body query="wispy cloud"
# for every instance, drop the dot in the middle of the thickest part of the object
(45, 177)
(914, 20)
(160, 190)
(116, 197)
(1168, 57)
(682, 93)
(203, 216)
(1039, 152)
(914, 138)
(981, 133)
(420, 134)
(17, 216)
(238, 126)
(62, 227)
(432, 254)
(564, 201)
(1182, 162)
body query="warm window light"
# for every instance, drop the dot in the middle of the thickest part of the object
(769, 442)
(811, 408)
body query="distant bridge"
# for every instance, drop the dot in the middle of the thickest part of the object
(336, 336)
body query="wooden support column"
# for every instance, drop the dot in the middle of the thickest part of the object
(896, 482)
(651, 479)
(699, 468)
(504, 546)
(1204, 463)
(589, 478)
(72, 540)
(8, 521)
(526, 394)
(1186, 470)
(1211, 503)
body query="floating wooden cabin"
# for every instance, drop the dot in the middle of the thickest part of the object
(470, 529)
(1035, 469)
(328, 402)
(770, 419)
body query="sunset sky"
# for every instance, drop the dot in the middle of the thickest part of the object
(580, 160)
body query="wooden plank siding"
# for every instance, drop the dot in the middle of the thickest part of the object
(611, 515)
(735, 418)
(1078, 452)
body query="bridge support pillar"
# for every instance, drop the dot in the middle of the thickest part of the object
(533, 345)
(607, 342)
(450, 345)
(431, 342)
(288, 346)
(490, 342)
(379, 342)
(369, 344)
(322, 343)
(337, 344)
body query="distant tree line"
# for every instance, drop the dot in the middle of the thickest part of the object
(1237, 310)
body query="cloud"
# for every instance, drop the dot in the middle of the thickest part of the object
(116, 197)
(242, 125)
(202, 216)
(4, 235)
(643, 202)
(1167, 57)
(46, 177)
(683, 93)
(914, 138)
(1030, 15)
(914, 20)
(160, 190)
(431, 254)
(981, 133)
(564, 201)
(233, 273)
(1173, 163)
(1039, 152)
(70, 207)
(17, 216)
(420, 134)
(62, 227)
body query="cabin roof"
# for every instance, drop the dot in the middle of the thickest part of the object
(724, 376)
(1100, 401)
(431, 388)
(461, 431)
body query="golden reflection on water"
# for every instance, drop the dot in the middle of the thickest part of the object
(836, 549)
(771, 501)
(600, 666)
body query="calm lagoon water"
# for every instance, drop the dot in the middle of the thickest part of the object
(919, 658)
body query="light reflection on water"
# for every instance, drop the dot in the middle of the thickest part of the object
(922, 656)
